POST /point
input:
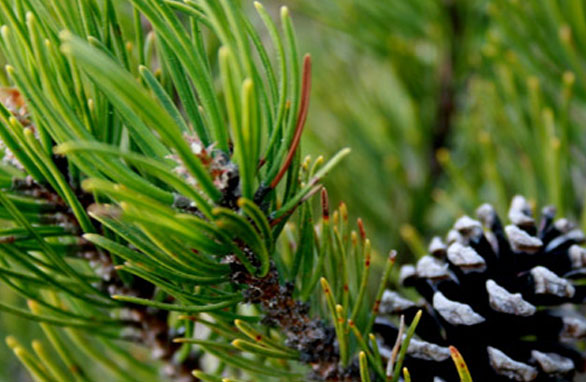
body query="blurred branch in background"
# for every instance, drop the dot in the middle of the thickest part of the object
(394, 80)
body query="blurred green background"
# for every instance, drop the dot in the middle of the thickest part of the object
(446, 104)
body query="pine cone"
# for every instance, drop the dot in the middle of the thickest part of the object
(503, 295)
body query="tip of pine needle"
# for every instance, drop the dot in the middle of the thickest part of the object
(37, 345)
(284, 12)
(29, 132)
(247, 85)
(11, 342)
(325, 285)
(224, 52)
(361, 229)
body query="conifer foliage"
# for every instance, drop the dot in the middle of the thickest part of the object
(147, 175)
(159, 223)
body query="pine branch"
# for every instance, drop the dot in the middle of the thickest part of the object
(149, 327)
(161, 216)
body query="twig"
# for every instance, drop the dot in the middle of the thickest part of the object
(305, 95)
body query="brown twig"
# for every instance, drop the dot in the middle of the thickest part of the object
(303, 109)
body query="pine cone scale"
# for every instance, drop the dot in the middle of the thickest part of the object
(502, 295)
